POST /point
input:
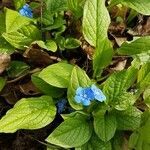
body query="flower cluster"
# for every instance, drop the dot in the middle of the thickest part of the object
(61, 104)
(86, 95)
(26, 11)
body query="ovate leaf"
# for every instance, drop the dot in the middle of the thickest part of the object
(73, 132)
(57, 75)
(29, 113)
(15, 21)
(78, 78)
(104, 125)
(95, 143)
(138, 5)
(45, 87)
(96, 20)
(138, 46)
(129, 119)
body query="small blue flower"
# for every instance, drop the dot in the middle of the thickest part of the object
(98, 94)
(26, 11)
(61, 104)
(86, 95)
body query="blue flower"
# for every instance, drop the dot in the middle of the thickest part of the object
(86, 95)
(98, 94)
(26, 11)
(61, 104)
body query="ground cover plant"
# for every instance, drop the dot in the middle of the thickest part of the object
(75, 74)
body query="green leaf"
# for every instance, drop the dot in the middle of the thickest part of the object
(123, 101)
(138, 5)
(2, 83)
(55, 6)
(23, 37)
(78, 78)
(17, 68)
(45, 87)
(136, 47)
(96, 21)
(2, 20)
(57, 75)
(102, 56)
(96, 144)
(19, 3)
(140, 139)
(72, 43)
(119, 82)
(15, 21)
(5, 47)
(49, 45)
(28, 113)
(104, 125)
(76, 7)
(146, 96)
(144, 77)
(129, 119)
(73, 132)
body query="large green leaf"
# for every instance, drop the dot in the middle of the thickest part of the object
(104, 125)
(136, 47)
(96, 144)
(57, 75)
(29, 113)
(78, 79)
(15, 21)
(141, 6)
(119, 82)
(96, 20)
(73, 132)
(129, 119)
(45, 87)
(23, 37)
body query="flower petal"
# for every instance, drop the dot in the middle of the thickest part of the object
(78, 99)
(86, 102)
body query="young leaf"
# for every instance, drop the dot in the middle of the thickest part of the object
(73, 132)
(71, 43)
(28, 113)
(49, 45)
(138, 5)
(96, 20)
(129, 119)
(95, 143)
(19, 3)
(54, 6)
(45, 87)
(78, 78)
(57, 75)
(76, 7)
(15, 21)
(136, 47)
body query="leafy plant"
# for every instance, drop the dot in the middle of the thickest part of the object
(102, 106)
